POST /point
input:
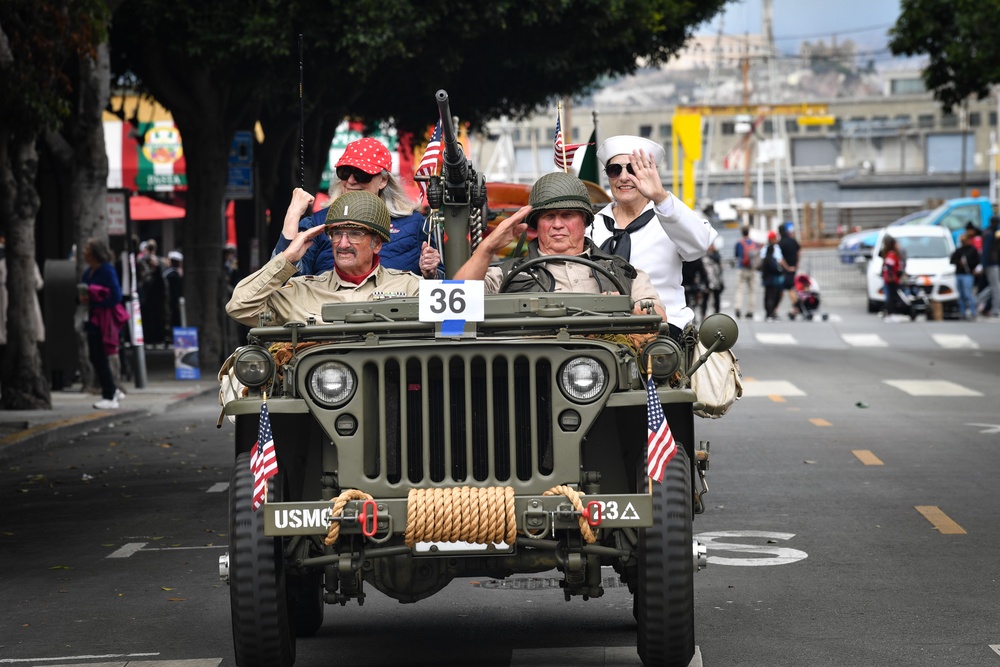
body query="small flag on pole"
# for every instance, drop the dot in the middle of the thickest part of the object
(263, 459)
(564, 152)
(660, 445)
(431, 160)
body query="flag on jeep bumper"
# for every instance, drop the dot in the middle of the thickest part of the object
(660, 445)
(263, 460)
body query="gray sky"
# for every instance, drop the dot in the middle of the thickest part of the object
(865, 22)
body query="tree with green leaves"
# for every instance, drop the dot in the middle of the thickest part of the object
(964, 55)
(223, 65)
(39, 40)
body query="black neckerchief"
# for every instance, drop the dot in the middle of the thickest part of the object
(620, 242)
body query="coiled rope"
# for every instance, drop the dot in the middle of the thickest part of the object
(338, 508)
(574, 497)
(462, 514)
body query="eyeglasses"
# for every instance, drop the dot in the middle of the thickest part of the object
(615, 170)
(353, 235)
(344, 173)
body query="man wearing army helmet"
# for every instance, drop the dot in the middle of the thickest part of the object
(559, 209)
(357, 224)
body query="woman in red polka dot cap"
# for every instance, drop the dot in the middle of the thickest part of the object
(365, 165)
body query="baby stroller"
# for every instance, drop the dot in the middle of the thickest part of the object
(913, 300)
(807, 291)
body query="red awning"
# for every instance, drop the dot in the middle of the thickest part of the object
(142, 207)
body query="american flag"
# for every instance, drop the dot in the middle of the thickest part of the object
(660, 445)
(263, 460)
(432, 157)
(571, 149)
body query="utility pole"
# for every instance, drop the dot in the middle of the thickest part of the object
(745, 67)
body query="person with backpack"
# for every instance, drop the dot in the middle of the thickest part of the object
(772, 277)
(747, 261)
(966, 260)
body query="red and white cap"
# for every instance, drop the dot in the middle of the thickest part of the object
(367, 154)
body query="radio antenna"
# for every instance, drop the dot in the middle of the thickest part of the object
(302, 124)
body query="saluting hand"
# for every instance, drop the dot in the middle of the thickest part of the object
(302, 242)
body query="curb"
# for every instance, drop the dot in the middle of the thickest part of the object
(42, 437)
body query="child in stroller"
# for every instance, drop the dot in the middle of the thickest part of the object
(807, 291)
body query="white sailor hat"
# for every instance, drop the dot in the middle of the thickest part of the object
(624, 145)
(173, 254)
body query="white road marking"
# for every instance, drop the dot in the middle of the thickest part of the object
(12, 661)
(930, 388)
(218, 487)
(777, 339)
(988, 429)
(767, 388)
(132, 548)
(589, 656)
(996, 648)
(864, 340)
(955, 341)
(782, 555)
(127, 550)
(209, 662)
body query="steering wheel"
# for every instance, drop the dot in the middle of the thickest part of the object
(531, 263)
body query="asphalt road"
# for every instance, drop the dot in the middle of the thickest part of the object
(851, 521)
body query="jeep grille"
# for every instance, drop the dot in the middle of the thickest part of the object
(484, 419)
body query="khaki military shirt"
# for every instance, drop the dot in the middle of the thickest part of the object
(574, 277)
(303, 297)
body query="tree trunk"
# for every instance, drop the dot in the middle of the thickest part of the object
(207, 147)
(23, 385)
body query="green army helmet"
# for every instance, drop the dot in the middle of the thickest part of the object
(360, 208)
(559, 191)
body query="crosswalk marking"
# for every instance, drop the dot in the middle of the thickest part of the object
(777, 339)
(864, 340)
(931, 388)
(218, 487)
(955, 341)
(770, 388)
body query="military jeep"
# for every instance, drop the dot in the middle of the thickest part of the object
(412, 452)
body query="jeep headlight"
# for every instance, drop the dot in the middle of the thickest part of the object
(663, 355)
(583, 379)
(254, 366)
(332, 383)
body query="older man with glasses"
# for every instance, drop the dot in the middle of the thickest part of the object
(356, 224)
(622, 227)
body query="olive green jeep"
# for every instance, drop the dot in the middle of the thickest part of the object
(411, 452)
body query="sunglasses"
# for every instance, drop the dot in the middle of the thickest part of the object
(345, 173)
(615, 170)
(353, 235)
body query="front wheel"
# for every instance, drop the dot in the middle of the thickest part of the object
(262, 635)
(664, 595)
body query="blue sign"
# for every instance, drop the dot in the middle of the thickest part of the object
(240, 182)
(186, 353)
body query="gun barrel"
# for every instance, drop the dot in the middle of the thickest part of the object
(454, 159)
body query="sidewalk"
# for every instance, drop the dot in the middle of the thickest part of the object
(73, 410)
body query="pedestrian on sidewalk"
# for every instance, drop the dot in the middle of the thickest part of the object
(747, 261)
(102, 293)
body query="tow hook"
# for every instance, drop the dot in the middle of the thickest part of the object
(224, 567)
